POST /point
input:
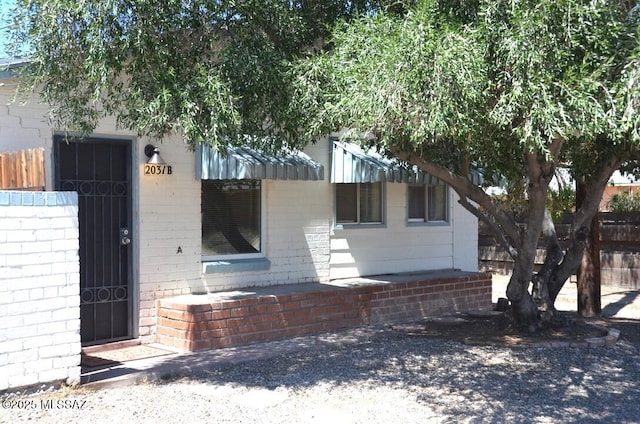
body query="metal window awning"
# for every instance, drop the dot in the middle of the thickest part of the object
(351, 164)
(242, 163)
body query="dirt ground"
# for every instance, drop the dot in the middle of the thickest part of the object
(495, 329)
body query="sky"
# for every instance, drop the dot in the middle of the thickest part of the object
(5, 8)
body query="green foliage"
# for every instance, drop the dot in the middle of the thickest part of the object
(212, 71)
(412, 81)
(484, 81)
(560, 201)
(625, 202)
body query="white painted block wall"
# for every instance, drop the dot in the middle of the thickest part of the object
(395, 246)
(300, 240)
(39, 288)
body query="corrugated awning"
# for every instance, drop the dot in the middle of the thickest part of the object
(245, 163)
(351, 164)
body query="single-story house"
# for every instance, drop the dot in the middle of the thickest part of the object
(159, 226)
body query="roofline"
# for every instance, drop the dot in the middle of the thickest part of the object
(8, 66)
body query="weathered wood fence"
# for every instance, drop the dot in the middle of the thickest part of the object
(23, 170)
(619, 249)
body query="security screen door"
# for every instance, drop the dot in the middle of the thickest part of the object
(99, 170)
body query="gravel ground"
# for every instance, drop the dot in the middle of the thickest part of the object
(387, 378)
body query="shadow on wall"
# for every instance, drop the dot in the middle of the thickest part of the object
(362, 252)
(299, 257)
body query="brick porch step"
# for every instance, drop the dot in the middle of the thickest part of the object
(224, 319)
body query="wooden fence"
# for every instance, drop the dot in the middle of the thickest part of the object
(619, 249)
(23, 170)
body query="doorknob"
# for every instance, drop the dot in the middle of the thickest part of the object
(124, 236)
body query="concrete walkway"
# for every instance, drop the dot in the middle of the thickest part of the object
(616, 302)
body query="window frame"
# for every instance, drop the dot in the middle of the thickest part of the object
(358, 224)
(425, 221)
(208, 259)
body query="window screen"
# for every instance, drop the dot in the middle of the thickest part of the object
(438, 203)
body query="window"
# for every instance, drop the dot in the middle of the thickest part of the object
(231, 217)
(427, 203)
(359, 203)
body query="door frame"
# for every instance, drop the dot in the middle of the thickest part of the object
(133, 216)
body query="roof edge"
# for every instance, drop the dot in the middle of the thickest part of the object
(8, 66)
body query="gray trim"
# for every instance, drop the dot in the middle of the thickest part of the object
(363, 226)
(245, 163)
(351, 164)
(236, 265)
(38, 198)
(428, 224)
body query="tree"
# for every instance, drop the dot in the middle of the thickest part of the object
(209, 70)
(514, 87)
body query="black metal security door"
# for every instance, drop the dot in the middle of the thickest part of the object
(99, 170)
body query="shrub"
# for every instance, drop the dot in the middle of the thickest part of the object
(624, 202)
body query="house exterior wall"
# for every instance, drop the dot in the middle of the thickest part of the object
(393, 246)
(300, 240)
(611, 190)
(39, 288)
(465, 237)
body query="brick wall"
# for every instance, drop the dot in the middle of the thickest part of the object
(228, 319)
(39, 288)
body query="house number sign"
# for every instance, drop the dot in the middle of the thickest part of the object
(154, 169)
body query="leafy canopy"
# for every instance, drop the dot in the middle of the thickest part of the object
(211, 70)
(487, 83)
(452, 81)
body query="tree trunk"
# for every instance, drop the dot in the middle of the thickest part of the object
(543, 293)
(523, 308)
(530, 310)
(589, 282)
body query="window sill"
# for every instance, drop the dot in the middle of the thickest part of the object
(362, 226)
(428, 224)
(235, 265)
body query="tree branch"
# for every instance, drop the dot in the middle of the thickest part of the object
(466, 189)
(497, 230)
(581, 223)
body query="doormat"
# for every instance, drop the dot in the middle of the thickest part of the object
(109, 358)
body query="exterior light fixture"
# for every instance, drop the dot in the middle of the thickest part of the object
(153, 153)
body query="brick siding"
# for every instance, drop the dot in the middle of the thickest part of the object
(192, 323)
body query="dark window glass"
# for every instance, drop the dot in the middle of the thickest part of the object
(358, 203)
(230, 217)
(417, 203)
(347, 203)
